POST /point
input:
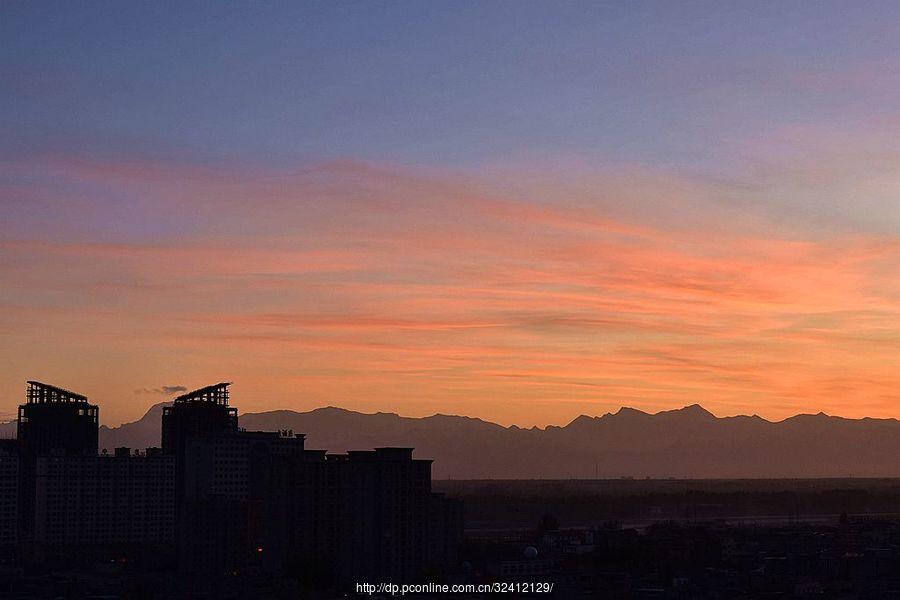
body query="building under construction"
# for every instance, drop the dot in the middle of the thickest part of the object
(55, 419)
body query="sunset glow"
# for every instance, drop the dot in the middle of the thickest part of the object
(741, 253)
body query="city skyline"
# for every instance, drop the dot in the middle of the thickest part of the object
(518, 212)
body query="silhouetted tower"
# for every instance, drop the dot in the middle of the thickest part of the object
(200, 412)
(54, 419)
(193, 416)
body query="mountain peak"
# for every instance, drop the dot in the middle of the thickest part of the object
(331, 410)
(692, 410)
(627, 411)
(583, 419)
(696, 409)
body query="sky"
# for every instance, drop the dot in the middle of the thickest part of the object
(517, 211)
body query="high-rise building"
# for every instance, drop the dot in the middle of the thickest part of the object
(201, 412)
(387, 497)
(72, 501)
(217, 498)
(111, 504)
(229, 505)
(54, 418)
(9, 498)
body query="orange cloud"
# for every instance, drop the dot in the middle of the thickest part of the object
(384, 289)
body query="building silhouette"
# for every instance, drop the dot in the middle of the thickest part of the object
(56, 420)
(215, 499)
(103, 505)
(53, 422)
(9, 498)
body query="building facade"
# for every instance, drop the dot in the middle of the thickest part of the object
(9, 498)
(115, 503)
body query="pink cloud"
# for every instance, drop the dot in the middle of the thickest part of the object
(388, 289)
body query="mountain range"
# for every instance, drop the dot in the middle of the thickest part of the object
(689, 442)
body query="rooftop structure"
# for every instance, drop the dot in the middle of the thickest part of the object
(215, 394)
(202, 411)
(56, 419)
(43, 392)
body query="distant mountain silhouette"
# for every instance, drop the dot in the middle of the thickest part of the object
(688, 442)
(143, 433)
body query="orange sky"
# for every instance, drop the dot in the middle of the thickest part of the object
(516, 211)
(514, 295)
